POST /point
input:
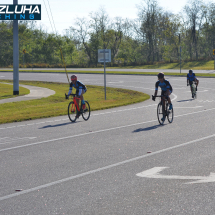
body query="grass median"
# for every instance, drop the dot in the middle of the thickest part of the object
(209, 75)
(56, 105)
(7, 91)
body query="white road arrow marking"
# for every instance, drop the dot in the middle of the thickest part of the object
(154, 173)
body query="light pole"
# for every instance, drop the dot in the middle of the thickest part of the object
(180, 51)
(15, 55)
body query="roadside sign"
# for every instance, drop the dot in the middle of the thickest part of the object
(102, 53)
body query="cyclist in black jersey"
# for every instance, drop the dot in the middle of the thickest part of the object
(190, 78)
(166, 88)
(80, 90)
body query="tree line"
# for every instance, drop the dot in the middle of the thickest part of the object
(155, 36)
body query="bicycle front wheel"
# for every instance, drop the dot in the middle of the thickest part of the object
(193, 91)
(160, 114)
(72, 111)
(170, 114)
(86, 111)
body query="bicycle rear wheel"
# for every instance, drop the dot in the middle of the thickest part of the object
(193, 91)
(86, 111)
(160, 114)
(170, 114)
(72, 111)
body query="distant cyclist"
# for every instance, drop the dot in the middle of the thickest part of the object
(80, 90)
(190, 78)
(166, 89)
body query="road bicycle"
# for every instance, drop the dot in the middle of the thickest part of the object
(163, 110)
(74, 111)
(193, 89)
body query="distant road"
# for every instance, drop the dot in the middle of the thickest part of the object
(108, 69)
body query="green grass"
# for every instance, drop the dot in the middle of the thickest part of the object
(195, 65)
(56, 105)
(7, 91)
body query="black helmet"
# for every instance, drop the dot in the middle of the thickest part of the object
(160, 75)
(190, 71)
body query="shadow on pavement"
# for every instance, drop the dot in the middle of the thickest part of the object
(53, 126)
(147, 129)
(185, 100)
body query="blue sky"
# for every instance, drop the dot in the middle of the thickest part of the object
(64, 12)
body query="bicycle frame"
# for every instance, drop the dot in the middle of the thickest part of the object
(165, 111)
(75, 98)
(74, 111)
(163, 98)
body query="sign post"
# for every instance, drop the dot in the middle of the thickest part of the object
(180, 50)
(24, 52)
(180, 59)
(104, 55)
(17, 12)
(214, 57)
(15, 55)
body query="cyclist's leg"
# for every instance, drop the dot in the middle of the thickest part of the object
(190, 83)
(168, 93)
(163, 105)
(197, 83)
(78, 102)
(82, 98)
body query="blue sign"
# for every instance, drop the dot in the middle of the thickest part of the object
(20, 12)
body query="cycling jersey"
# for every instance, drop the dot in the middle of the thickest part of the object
(191, 77)
(164, 86)
(78, 86)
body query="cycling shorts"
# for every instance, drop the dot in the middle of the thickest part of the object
(163, 93)
(191, 82)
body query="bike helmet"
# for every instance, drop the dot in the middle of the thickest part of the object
(73, 78)
(160, 75)
(190, 71)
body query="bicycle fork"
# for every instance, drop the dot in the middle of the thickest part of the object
(72, 108)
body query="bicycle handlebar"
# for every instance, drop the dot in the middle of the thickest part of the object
(153, 97)
(159, 96)
(73, 95)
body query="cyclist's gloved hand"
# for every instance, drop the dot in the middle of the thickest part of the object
(153, 98)
(66, 96)
(187, 84)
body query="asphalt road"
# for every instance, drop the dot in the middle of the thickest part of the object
(120, 161)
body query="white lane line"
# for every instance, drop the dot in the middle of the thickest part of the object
(189, 107)
(103, 168)
(197, 91)
(122, 110)
(7, 140)
(77, 135)
(109, 112)
(94, 132)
